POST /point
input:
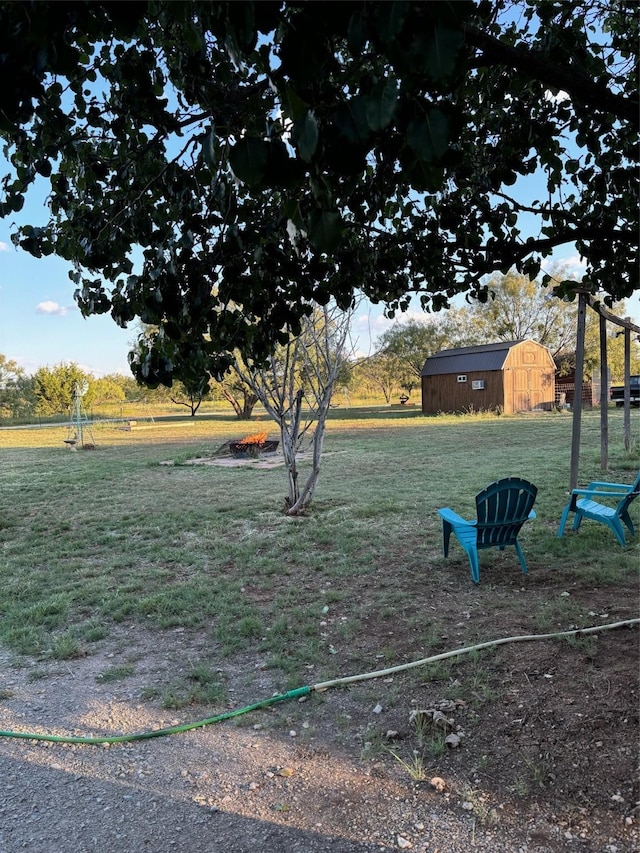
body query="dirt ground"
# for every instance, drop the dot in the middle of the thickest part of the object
(544, 758)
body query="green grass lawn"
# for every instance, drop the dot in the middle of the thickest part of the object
(94, 538)
(180, 585)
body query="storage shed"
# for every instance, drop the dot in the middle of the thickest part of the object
(514, 376)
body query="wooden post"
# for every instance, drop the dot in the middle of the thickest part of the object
(627, 389)
(604, 399)
(577, 396)
(628, 327)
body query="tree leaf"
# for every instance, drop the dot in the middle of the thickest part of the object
(390, 19)
(294, 106)
(209, 152)
(242, 25)
(303, 49)
(292, 211)
(424, 175)
(193, 38)
(381, 104)
(248, 159)
(281, 169)
(428, 135)
(325, 230)
(436, 52)
(285, 772)
(351, 120)
(305, 136)
(356, 33)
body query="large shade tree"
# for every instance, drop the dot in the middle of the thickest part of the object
(106, 389)
(380, 373)
(10, 372)
(215, 168)
(519, 308)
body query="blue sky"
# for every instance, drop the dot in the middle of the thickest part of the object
(41, 325)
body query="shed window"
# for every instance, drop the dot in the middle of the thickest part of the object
(462, 377)
(477, 384)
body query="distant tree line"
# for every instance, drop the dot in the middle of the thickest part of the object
(50, 391)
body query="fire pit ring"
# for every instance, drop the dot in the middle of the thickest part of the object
(247, 449)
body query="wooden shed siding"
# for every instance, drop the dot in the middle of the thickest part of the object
(526, 381)
(529, 388)
(446, 394)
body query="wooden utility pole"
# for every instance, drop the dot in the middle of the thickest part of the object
(577, 395)
(604, 396)
(627, 389)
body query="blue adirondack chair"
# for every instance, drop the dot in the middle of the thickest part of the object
(502, 508)
(613, 516)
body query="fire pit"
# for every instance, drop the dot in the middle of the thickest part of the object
(252, 446)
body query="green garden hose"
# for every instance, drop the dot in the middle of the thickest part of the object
(171, 730)
(305, 691)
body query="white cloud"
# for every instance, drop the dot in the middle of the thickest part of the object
(561, 95)
(49, 307)
(573, 266)
(369, 322)
(29, 365)
(4, 247)
(415, 317)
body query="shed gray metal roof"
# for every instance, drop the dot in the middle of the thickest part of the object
(468, 359)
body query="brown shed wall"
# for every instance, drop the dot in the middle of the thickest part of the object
(445, 394)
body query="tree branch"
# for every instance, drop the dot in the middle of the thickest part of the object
(581, 88)
(516, 251)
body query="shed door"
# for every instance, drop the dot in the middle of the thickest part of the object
(522, 391)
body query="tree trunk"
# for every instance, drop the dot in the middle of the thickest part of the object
(306, 495)
(289, 437)
(248, 406)
(244, 410)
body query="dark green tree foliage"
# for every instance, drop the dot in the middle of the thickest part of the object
(215, 168)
